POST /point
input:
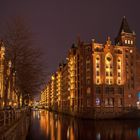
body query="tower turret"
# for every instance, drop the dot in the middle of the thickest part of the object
(125, 37)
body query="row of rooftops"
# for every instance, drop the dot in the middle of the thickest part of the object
(124, 28)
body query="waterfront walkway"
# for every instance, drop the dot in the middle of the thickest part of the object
(10, 123)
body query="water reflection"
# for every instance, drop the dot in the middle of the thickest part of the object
(50, 126)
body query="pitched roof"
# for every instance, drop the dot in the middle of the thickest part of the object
(124, 26)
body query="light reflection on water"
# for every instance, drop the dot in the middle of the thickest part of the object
(50, 126)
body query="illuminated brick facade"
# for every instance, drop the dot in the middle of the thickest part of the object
(2, 53)
(5, 71)
(98, 78)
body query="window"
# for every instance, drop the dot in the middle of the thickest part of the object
(131, 41)
(119, 81)
(106, 102)
(88, 103)
(131, 51)
(97, 65)
(120, 90)
(97, 81)
(88, 66)
(88, 81)
(119, 74)
(119, 102)
(106, 66)
(97, 102)
(119, 67)
(98, 90)
(88, 90)
(107, 81)
(97, 73)
(128, 41)
(109, 90)
(97, 58)
(107, 74)
(111, 74)
(111, 81)
(119, 60)
(125, 41)
(88, 74)
(111, 101)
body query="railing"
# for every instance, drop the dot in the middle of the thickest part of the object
(9, 117)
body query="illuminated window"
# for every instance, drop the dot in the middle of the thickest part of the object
(119, 66)
(111, 81)
(108, 66)
(131, 51)
(126, 55)
(107, 74)
(97, 73)
(97, 101)
(125, 41)
(111, 102)
(106, 102)
(131, 41)
(88, 60)
(97, 81)
(119, 74)
(88, 90)
(97, 58)
(119, 81)
(128, 41)
(107, 81)
(97, 65)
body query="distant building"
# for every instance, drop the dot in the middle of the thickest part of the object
(97, 80)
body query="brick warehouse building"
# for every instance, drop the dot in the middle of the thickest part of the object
(97, 80)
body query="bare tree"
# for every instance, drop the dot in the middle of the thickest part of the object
(27, 64)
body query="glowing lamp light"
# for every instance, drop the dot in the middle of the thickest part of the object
(52, 77)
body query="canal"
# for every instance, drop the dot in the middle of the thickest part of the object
(51, 126)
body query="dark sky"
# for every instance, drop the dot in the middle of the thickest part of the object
(57, 23)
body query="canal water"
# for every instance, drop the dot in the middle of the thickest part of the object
(51, 126)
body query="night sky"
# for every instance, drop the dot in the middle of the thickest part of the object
(56, 24)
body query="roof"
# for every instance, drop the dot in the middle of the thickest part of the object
(124, 26)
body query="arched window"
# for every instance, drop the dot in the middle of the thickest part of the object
(109, 68)
(97, 66)
(119, 72)
(106, 102)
